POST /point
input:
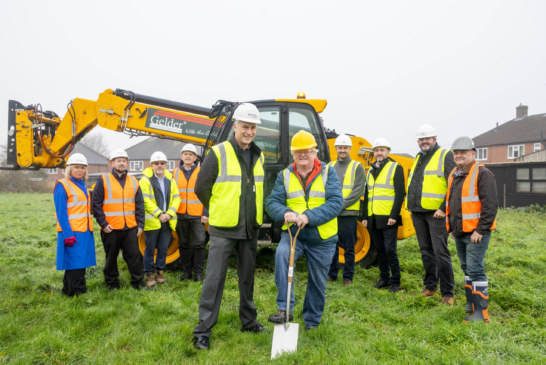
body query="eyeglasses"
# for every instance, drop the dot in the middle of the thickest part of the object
(159, 163)
(304, 152)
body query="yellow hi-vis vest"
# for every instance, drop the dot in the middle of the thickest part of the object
(295, 198)
(349, 183)
(224, 205)
(152, 211)
(381, 191)
(434, 181)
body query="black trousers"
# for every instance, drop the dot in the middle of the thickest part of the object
(432, 237)
(74, 282)
(191, 244)
(213, 287)
(385, 241)
(127, 242)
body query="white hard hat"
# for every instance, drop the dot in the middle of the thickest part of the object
(425, 131)
(247, 112)
(76, 159)
(118, 152)
(381, 142)
(189, 147)
(463, 144)
(158, 156)
(343, 140)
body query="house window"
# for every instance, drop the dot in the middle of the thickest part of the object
(481, 154)
(170, 165)
(516, 150)
(531, 180)
(136, 166)
(51, 171)
(537, 147)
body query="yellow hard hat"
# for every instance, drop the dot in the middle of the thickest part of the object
(302, 141)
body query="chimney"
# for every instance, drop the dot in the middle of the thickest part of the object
(521, 111)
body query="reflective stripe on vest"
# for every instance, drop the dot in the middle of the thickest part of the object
(381, 191)
(78, 208)
(119, 203)
(349, 182)
(295, 198)
(189, 201)
(226, 192)
(434, 182)
(471, 205)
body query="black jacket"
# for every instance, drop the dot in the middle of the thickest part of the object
(247, 228)
(380, 221)
(98, 202)
(416, 187)
(487, 192)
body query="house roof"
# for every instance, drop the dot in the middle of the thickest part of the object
(144, 149)
(528, 129)
(92, 156)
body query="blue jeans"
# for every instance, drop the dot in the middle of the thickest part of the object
(160, 239)
(347, 238)
(319, 256)
(472, 256)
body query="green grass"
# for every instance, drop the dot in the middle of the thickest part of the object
(360, 324)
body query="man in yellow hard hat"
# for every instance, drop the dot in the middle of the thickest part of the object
(307, 194)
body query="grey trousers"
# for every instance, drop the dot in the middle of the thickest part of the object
(213, 287)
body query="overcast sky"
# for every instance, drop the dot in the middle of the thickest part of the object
(385, 67)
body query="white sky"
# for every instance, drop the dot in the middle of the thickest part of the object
(385, 67)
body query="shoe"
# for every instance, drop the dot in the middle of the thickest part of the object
(394, 289)
(140, 285)
(331, 279)
(280, 317)
(381, 283)
(113, 287)
(159, 278)
(347, 282)
(256, 328)
(447, 301)
(428, 293)
(150, 280)
(201, 342)
(198, 277)
(185, 276)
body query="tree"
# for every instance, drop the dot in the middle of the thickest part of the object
(97, 142)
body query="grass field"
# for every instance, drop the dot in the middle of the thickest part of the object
(360, 324)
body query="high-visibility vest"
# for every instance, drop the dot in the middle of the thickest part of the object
(349, 182)
(381, 190)
(152, 211)
(434, 181)
(78, 208)
(119, 203)
(189, 201)
(224, 203)
(471, 205)
(296, 198)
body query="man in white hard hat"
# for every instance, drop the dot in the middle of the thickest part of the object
(161, 201)
(471, 210)
(118, 207)
(230, 186)
(426, 191)
(352, 179)
(190, 227)
(383, 199)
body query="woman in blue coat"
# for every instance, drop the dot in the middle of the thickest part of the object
(75, 241)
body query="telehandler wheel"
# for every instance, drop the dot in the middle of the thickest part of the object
(365, 251)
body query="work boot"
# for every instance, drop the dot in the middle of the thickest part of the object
(447, 301)
(347, 282)
(198, 277)
(185, 276)
(381, 283)
(280, 317)
(150, 280)
(428, 293)
(469, 308)
(160, 278)
(480, 298)
(331, 279)
(394, 288)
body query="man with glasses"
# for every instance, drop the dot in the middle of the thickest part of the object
(161, 201)
(307, 194)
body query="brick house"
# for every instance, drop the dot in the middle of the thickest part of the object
(520, 136)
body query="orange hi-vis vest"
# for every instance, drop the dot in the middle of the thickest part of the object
(78, 208)
(190, 202)
(119, 203)
(470, 201)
